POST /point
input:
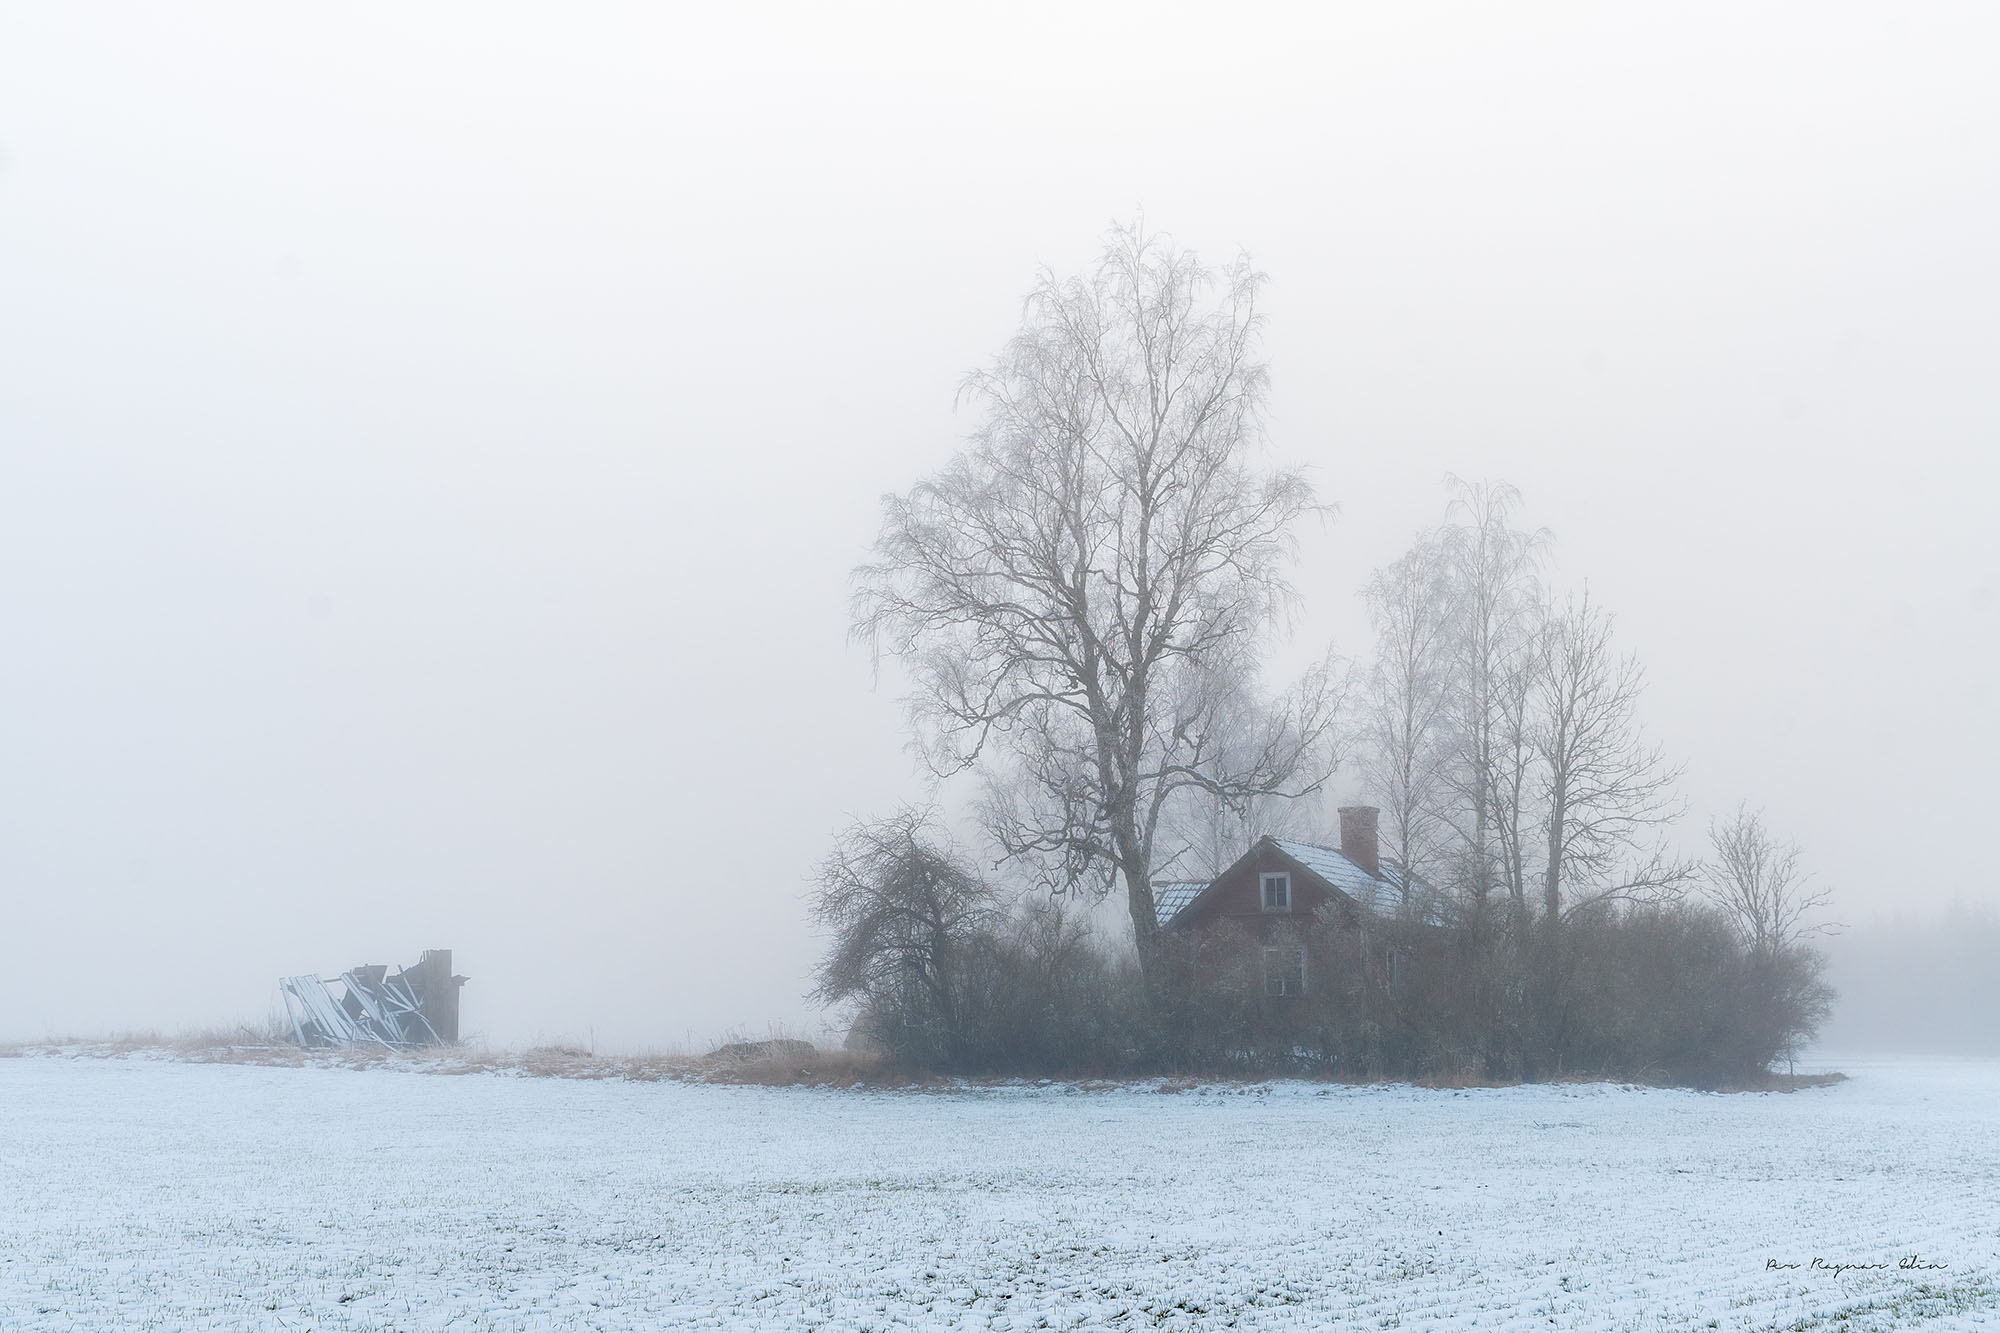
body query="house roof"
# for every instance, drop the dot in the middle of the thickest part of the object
(1383, 893)
(1171, 895)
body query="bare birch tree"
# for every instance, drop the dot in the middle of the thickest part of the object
(1516, 775)
(1494, 571)
(1757, 880)
(1607, 794)
(1082, 597)
(1404, 737)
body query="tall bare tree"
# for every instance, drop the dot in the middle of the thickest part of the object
(1082, 597)
(1607, 793)
(1496, 599)
(1757, 880)
(1515, 769)
(1405, 715)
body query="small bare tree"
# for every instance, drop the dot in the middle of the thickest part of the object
(1756, 879)
(1757, 882)
(902, 910)
(1083, 596)
(1607, 794)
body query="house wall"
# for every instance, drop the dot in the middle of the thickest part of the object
(1233, 910)
(1237, 896)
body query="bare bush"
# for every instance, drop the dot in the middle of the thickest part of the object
(1669, 993)
(905, 913)
(1757, 880)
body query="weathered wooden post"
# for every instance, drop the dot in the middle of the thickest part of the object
(438, 990)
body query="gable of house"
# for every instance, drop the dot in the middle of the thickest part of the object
(1266, 883)
(1387, 892)
(1281, 884)
(1353, 876)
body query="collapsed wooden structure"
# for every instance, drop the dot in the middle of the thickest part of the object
(416, 1006)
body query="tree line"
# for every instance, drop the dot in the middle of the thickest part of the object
(1081, 601)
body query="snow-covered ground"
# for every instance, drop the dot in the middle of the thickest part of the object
(142, 1193)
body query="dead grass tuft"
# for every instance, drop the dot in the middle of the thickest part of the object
(1457, 1080)
(778, 1063)
(814, 1068)
(1783, 1083)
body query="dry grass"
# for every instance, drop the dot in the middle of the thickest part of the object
(758, 1064)
(1783, 1083)
(821, 1069)
(1768, 1083)
(239, 1045)
(767, 1064)
(1457, 1080)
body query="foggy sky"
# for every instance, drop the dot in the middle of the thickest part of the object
(433, 443)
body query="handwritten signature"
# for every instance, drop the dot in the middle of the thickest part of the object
(1908, 1264)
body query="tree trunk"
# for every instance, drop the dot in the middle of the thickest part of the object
(1145, 930)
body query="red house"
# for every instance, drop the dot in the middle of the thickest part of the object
(1279, 888)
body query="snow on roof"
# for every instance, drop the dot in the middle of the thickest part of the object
(1382, 894)
(1403, 886)
(1170, 896)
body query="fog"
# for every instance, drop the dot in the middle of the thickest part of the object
(434, 444)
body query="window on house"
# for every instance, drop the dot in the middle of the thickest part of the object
(1285, 971)
(1395, 967)
(1278, 892)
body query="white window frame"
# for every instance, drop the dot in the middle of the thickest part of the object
(1289, 980)
(1281, 878)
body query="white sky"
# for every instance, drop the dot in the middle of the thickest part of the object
(433, 442)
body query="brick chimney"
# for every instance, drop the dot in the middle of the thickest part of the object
(1358, 840)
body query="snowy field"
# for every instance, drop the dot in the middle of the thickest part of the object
(140, 1193)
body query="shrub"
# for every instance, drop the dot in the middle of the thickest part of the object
(941, 977)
